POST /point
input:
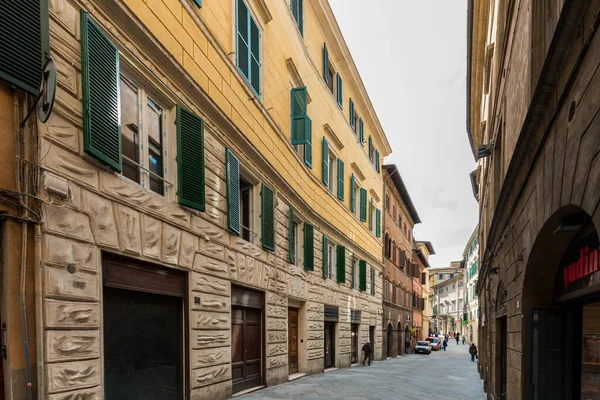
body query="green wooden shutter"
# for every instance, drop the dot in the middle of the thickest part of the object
(371, 214)
(297, 12)
(352, 194)
(309, 247)
(377, 167)
(325, 257)
(352, 120)
(372, 281)
(268, 217)
(233, 191)
(363, 204)
(299, 117)
(101, 96)
(353, 272)
(340, 261)
(378, 222)
(362, 275)
(370, 148)
(291, 236)
(308, 144)
(325, 64)
(243, 38)
(190, 159)
(340, 93)
(198, 3)
(340, 187)
(361, 132)
(24, 45)
(325, 163)
(254, 55)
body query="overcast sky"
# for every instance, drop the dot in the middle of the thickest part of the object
(411, 56)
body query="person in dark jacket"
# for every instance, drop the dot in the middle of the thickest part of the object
(473, 352)
(367, 349)
(457, 336)
(445, 344)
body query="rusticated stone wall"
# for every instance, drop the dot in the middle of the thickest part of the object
(105, 213)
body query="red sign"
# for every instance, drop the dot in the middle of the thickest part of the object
(586, 265)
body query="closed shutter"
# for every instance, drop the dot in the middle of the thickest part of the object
(233, 191)
(340, 96)
(352, 121)
(268, 217)
(370, 148)
(309, 247)
(248, 46)
(362, 275)
(325, 257)
(340, 188)
(372, 281)
(377, 167)
(325, 64)
(190, 159)
(299, 108)
(378, 222)
(371, 214)
(254, 56)
(198, 3)
(325, 163)
(340, 260)
(353, 272)
(352, 194)
(100, 81)
(291, 236)
(308, 144)
(363, 204)
(361, 132)
(24, 45)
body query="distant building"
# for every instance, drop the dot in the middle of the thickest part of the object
(446, 296)
(470, 275)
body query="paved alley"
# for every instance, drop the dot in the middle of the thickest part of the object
(445, 375)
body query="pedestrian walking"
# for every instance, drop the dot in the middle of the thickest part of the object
(473, 352)
(463, 339)
(445, 344)
(457, 338)
(367, 349)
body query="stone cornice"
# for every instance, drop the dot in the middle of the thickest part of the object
(293, 71)
(334, 139)
(357, 171)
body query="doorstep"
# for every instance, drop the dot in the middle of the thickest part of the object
(295, 376)
(330, 369)
(252, 389)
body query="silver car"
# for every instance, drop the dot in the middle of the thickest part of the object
(423, 346)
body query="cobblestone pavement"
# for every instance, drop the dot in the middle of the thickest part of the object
(448, 375)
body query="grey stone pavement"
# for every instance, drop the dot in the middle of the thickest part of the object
(448, 375)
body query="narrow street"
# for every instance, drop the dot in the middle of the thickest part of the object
(445, 375)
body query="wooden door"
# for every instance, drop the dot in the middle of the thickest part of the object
(293, 340)
(354, 343)
(246, 347)
(329, 344)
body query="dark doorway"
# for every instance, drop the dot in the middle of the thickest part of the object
(354, 343)
(548, 338)
(143, 345)
(502, 356)
(390, 340)
(329, 344)
(399, 339)
(293, 340)
(246, 349)
(372, 339)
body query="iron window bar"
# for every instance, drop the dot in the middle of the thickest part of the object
(147, 170)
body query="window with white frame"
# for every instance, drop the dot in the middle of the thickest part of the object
(249, 203)
(355, 273)
(330, 260)
(143, 137)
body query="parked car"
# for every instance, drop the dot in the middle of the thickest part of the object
(436, 343)
(423, 346)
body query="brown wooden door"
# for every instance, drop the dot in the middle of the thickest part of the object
(246, 347)
(329, 344)
(293, 340)
(354, 343)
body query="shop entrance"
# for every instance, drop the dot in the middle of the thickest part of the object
(143, 332)
(354, 328)
(390, 340)
(329, 344)
(399, 338)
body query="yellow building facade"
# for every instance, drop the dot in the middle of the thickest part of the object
(207, 197)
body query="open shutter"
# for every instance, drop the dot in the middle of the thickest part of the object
(370, 148)
(308, 144)
(233, 191)
(363, 204)
(340, 261)
(325, 64)
(268, 217)
(243, 38)
(361, 132)
(378, 223)
(362, 275)
(353, 272)
(198, 3)
(352, 121)
(190, 159)
(372, 281)
(325, 163)
(340, 96)
(325, 257)
(291, 236)
(24, 45)
(352, 194)
(101, 107)
(377, 167)
(309, 247)
(371, 214)
(299, 117)
(340, 187)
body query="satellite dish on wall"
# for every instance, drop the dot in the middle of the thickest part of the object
(45, 99)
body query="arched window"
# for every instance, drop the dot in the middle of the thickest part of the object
(387, 245)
